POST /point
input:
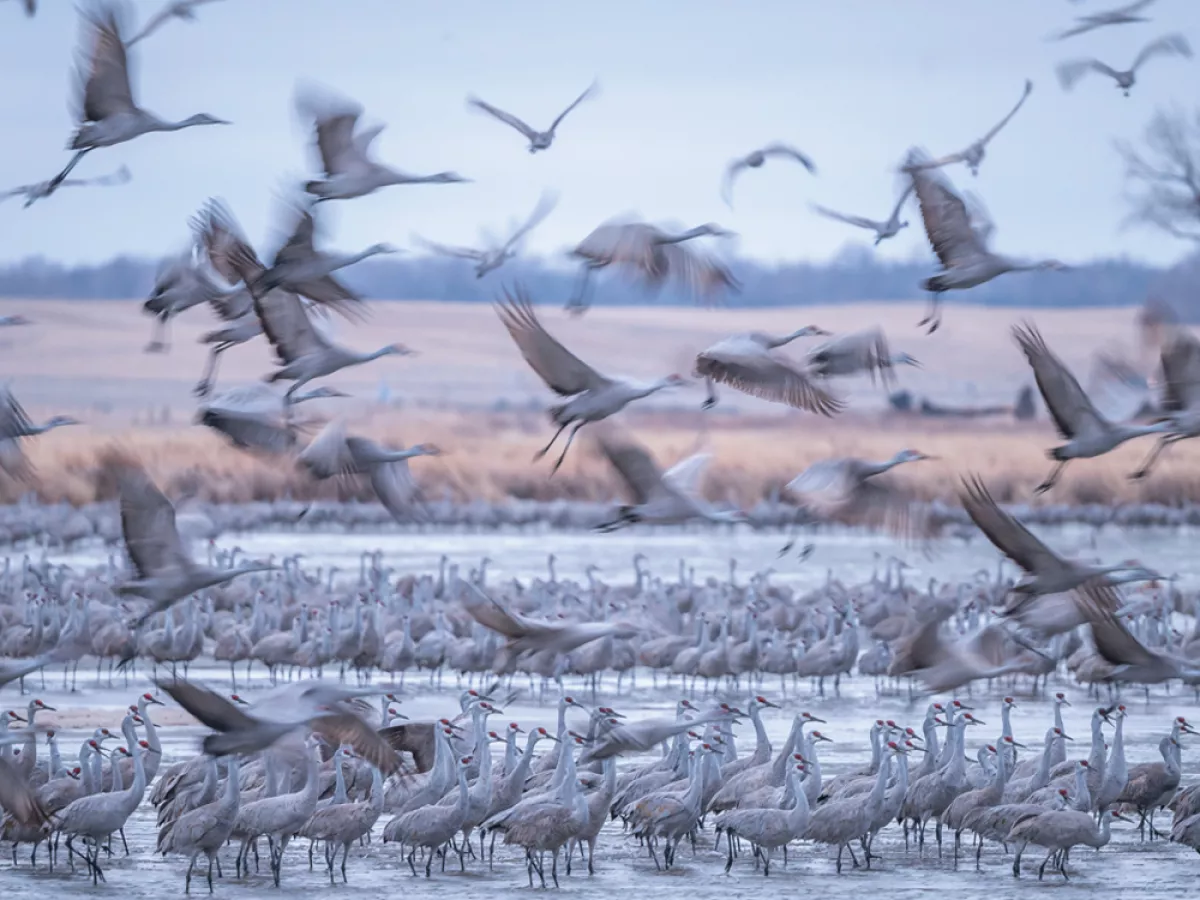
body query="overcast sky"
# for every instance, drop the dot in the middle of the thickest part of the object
(685, 86)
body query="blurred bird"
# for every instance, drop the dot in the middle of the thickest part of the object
(538, 140)
(755, 159)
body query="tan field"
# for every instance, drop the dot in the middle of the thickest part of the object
(470, 392)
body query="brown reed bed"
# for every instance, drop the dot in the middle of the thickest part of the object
(488, 456)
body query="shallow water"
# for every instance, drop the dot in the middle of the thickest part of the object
(850, 555)
(378, 870)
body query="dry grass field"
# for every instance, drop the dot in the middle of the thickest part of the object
(470, 392)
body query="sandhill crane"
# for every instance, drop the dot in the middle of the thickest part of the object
(1088, 434)
(1152, 785)
(593, 396)
(279, 712)
(525, 634)
(745, 362)
(345, 156)
(431, 827)
(491, 258)
(755, 159)
(205, 829)
(890, 227)
(15, 424)
(859, 351)
(105, 109)
(538, 140)
(959, 239)
(1061, 829)
(96, 817)
(231, 256)
(172, 9)
(658, 497)
(164, 571)
(255, 418)
(1046, 572)
(281, 816)
(1180, 360)
(181, 282)
(843, 490)
(345, 823)
(973, 155)
(768, 829)
(1123, 15)
(297, 265)
(334, 453)
(43, 189)
(1169, 45)
(653, 256)
(303, 352)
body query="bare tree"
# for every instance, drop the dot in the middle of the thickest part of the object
(1165, 174)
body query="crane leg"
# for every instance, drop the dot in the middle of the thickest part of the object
(570, 438)
(1052, 478)
(205, 385)
(933, 318)
(546, 449)
(1144, 469)
(578, 304)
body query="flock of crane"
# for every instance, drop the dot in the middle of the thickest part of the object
(302, 760)
(312, 758)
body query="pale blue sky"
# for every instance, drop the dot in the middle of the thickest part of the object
(685, 86)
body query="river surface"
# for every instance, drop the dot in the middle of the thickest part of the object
(1126, 867)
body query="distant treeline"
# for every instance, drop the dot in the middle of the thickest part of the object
(854, 275)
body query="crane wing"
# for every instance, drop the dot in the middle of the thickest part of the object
(944, 214)
(697, 272)
(102, 67)
(545, 206)
(763, 375)
(248, 430)
(221, 237)
(446, 250)
(207, 707)
(148, 524)
(1181, 372)
(634, 466)
(507, 118)
(1167, 45)
(591, 89)
(858, 221)
(286, 324)
(17, 797)
(563, 371)
(787, 151)
(1072, 411)
(1012, 112)
(334, 118)
(14, 421)
(327, 455)
(1113, 640)
(492, 614)
(685, 476)
(346, 728)
(1005, 532)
